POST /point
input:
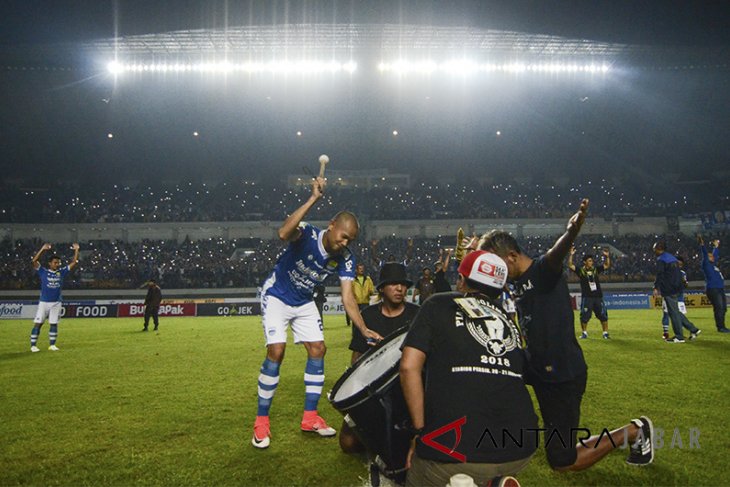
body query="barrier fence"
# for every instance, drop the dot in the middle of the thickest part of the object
(252, 306)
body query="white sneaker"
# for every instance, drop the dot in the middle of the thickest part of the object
(34, 349)
(53, 348)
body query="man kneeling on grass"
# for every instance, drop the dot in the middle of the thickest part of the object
(556, 368)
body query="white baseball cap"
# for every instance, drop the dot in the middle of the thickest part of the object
(484, 268)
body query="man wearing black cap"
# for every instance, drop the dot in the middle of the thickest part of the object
(385, 317)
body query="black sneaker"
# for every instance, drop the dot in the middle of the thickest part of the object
(641, 451)
(694, 334)
(675, 340)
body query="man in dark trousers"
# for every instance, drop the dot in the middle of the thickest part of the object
(590, 289)
(556, 368)
(714, 281)
(390, 314)
(668, 284)
(152, 304)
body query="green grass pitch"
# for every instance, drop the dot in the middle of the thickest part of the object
(118, 407)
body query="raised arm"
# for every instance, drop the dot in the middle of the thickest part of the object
(560, 249)
(445, 264)
(715, 251)
(571, 266)
(374, 255)
(289, 230)
(703, 249)
(606, 259)
(36, 258)
(75, 259)
(409, 252)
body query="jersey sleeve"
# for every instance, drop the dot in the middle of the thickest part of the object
(64, 271)
(41, 271)
(346, 270)
(305, 231)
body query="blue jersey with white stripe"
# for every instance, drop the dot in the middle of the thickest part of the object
(51, 283)
(304, 264)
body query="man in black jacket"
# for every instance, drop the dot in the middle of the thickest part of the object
(152, 304)
(669, 285)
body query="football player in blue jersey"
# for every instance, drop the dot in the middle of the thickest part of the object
(49, 305)
(286, 298)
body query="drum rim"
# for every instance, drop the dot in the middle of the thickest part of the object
(362, 395)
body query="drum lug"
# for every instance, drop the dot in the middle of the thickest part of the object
(350, 422)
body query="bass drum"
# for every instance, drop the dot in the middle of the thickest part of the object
(371, 399)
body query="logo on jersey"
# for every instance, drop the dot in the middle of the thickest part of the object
(332, 264)
(495, 332)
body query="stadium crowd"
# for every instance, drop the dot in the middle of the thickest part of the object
(239, 200)
(221, 263)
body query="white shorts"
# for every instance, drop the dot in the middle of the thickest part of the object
(52, 311)
(276, 316)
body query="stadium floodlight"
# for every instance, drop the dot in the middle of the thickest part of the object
(227, 67)
(114, 67)
(463, 67)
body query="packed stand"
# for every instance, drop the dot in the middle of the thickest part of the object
(220, 263)
(253, 201)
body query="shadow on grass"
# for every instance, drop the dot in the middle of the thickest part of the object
(13, 355)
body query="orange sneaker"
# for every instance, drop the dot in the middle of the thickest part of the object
(261, 432)
(313, 423)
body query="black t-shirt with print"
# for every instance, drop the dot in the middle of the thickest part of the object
(588, 276)
(376, 321)
(547, 322)
(473, 375)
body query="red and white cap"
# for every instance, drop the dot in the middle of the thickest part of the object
(485, 268)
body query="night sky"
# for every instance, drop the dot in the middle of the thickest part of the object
(632, 121)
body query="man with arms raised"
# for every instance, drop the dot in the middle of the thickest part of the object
(590, 290)
(556, 368)
(49, 305)
(286, 298)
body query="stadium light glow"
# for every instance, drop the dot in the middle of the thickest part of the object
(226, 67)
(114, 67)
(462, 67)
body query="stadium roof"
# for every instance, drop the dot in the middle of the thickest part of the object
(350, 37)
(364, 39)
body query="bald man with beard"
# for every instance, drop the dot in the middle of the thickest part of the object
(311, 256)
